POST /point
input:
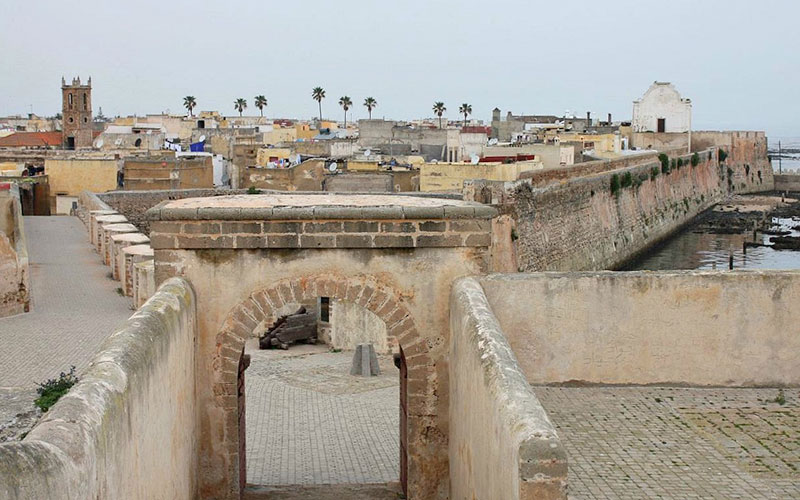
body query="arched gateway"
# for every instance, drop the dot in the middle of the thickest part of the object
(248, 255)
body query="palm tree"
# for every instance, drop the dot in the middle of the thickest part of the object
(370, 103)
(318, 94)
(345, 103)
(261, 102)
(189, 102)
(465, 109)
(439, 109)
(239, 105)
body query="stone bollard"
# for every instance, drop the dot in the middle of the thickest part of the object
(365, 361)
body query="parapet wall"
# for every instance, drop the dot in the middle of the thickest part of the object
(582, 225)
(571, 219)
(133, 204)
(127, 430)
(502, 444)
(14, 271)
(787, 182)
(684, 327)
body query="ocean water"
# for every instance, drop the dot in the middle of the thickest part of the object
(785, 165)
(696, 250)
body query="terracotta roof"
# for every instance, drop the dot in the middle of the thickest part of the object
(31, 140)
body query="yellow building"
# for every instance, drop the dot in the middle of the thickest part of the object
(68, 177)
(304, 132)
(451, 176)
(266, 155)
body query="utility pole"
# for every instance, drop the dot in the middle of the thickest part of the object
(780, 159)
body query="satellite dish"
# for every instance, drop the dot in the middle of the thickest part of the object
(493, 141)
(99, 143)
(202, 138)
(474, 159)
(367, 152)
(332, 167)
(118, 141)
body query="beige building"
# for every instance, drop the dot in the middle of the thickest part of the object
(451, 176)
(69, 176)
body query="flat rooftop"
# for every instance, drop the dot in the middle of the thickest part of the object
(318, 206)
(314, 200)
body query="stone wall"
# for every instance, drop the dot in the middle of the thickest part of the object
(581, 225)
(134, 204)
(502, 444)
(307, 176)
(142, 174)
(396, 256)
(697, 328)
(14, 271)
(128, 429)
(787, 182)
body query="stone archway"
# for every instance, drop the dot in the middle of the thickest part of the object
(397, 256)
(381, 299)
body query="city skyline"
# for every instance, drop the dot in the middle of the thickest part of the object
(545, 59)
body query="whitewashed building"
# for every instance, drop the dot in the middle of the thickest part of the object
(662, 109)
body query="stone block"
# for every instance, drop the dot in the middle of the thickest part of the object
(317, 241)
(393, 241)
(360, 227)
(398, 227)
(354, 241)
(438, 226)
(365, 361)
(440, 240)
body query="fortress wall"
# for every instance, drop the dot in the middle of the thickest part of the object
(502, 443)
(127, 430)
(700, 328)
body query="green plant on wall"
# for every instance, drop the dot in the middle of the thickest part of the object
(52, 389)
(627, 180)
(672, 165)
(615, 184)
(664, 159)
(654, 172)
(695, 159)
(722, 155)
(680, 162)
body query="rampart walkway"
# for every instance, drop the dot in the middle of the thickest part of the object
(74, 307)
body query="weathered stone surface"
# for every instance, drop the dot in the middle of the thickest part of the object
(504, 446)
(686, 327)
(120, 417)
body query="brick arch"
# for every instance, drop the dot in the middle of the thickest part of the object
(381, 299)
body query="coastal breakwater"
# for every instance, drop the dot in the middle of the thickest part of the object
(619, 208)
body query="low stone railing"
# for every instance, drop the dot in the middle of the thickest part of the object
(14, 270)
(502, 443)
(128, 428)
(120, 245)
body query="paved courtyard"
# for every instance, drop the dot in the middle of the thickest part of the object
(309, 422)
(74, 307)
(663, 442)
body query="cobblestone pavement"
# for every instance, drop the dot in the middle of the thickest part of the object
(309, 422)
(663, 442)
(74, 307)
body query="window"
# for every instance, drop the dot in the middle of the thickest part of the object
(85, 103)
(71, 119)
(69, 100)
(137, 143)
(325, 309)
(85, 120)
(662, 125)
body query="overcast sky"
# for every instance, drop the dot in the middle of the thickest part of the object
(737, 60)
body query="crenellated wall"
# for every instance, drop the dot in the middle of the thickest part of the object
(128, 429)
